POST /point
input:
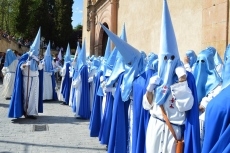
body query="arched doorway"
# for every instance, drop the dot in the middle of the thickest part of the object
(103, 37)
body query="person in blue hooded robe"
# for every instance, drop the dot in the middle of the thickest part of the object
(66, 79)
(106, 114)
(81, 103)
(217, 116)
(169, 88)
(131, 65)
(49, 84)
(217, 60)
(73, 74)
(8, 72)
(189, 60)
(96, 115)
(26, 94)
(140, 115)
(208, 83)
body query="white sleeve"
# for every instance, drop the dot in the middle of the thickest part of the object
(145, 103)
(187, 67)
(183, 96)
(77, 82)
(4, 71)
(40, 66)
(205, 100)
(63, 71)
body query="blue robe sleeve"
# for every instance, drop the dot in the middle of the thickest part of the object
(66, 86)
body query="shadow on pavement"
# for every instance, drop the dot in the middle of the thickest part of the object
(55, 146)
(4, 105)
(49, 120)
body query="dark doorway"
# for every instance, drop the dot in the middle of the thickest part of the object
(104, 41)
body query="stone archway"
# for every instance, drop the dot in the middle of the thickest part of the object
(102, 41)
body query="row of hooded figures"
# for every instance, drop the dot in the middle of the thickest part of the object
(129, 96)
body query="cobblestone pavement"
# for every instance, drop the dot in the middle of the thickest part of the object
(64, 133)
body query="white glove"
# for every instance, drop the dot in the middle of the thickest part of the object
(70, 74)
(101, 78)
(28, 63)
(180, 71)
(90, 79)
(153, 82)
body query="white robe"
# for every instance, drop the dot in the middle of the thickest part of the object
(33, 90)
(62, 73)
(204, 102)
(47, 86)
(8, 80)
(77, 84)
(158, 137)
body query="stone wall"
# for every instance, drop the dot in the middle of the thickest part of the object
(6, 44)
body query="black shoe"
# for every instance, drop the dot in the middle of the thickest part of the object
(31, 117)
(8, 98)
(63, 103)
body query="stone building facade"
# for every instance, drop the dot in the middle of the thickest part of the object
(197, 23)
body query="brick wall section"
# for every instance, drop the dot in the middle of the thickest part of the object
(215, 24)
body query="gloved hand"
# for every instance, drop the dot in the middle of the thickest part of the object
(101, 78)
(90, 79)
(153, 82)
(181, 73)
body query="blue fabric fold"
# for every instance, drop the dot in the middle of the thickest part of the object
(66, 85)
(119, 127)
(217, 128)
(140, 115)
(95, 118)
(84, 108)
(40, 98)
(192, 127)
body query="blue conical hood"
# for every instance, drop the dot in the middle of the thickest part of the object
(192, 57)
(111, 62)
(77, 51)
(81, 60)
(168, 57)
(108, 49)
(48, 60)
(67, 54)
(127, 51)
(35, 47)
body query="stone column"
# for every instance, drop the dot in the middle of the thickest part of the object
(92, 31)
(113, 26)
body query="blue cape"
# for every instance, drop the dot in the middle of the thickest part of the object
(104, 133)
(192, 129)
(54, 85)
(217, 128)
(119, 128)
(140, 115)
(84, 108)
(95, 118)
(16, 103)
(66, 85)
